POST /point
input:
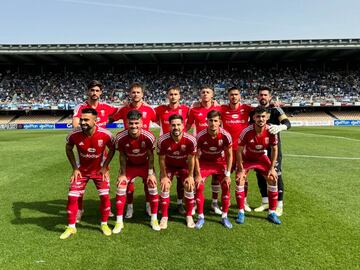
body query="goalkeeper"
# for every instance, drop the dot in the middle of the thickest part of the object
(278, 122)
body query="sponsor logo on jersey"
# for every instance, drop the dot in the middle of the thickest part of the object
(213, 148)
(91, 150)
(136, 151)
(203, 124)
(100, 143)
(258, 147)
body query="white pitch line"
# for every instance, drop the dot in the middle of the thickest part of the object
(322, 157)
(321, 135)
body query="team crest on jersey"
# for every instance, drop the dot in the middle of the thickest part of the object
(180, 111)
(267, 140)
(102, 112)
(100, 143)
(183, 147)
(143, 144)
(144, 114)
(242, 111)
(221, 142)
(127, 145)
(136, 151)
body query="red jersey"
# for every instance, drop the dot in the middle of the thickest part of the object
(235, 120)
(212, 149)
(148, 114)
(163, 112)
(103, 110)
(135, 149)
(256, 144)
(176, 153)
(91, 149)
(197, 116)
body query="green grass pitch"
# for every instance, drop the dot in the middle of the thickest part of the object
(320, 230)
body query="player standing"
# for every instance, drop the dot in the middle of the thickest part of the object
(251, 154)
(176, 151)
(136, 149)
(91, 142)
(197, 117)
(235, 118)
(163, 112)
(278, 122)
(214, 157)
(104, 110)
(136, 93)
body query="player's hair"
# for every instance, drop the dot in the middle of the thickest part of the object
(233, 88)
(176, 116)
(260, 110)
(89, 110)
(94, 83)
(173, 87)
(264, 88)
(213, 114)
(206, 86)
(134, 115)
(136, 85)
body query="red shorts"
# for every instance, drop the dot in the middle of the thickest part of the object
(132, 172)
(262, 164)
(77, 187)
(180, 173)
(208, 168)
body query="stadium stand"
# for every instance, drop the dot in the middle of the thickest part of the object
(29, 119)
(311, 116)
(345, 115)
(5, 119)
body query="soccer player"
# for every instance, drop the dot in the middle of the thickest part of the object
(214, 157)
(104, 110)
(176, 151)
(163, 112)
(197, 117)
(136, 149)
(235, 117)
(136, 93)
(91, 142)
(278, 122)
(251, 154)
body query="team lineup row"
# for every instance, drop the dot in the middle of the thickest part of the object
(224, 141)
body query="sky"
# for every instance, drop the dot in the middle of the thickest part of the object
(147, 21)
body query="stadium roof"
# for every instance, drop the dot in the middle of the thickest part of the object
(183, 53)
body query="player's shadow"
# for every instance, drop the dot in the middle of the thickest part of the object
(50, 214)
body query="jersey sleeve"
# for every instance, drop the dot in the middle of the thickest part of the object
(160, 147)
(150, 140)
(273, 139)
(242, 138)
(77, 111)
(191, 118)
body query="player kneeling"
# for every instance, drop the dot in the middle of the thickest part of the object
(91, 142)
(136, 156)
(251, 154)
(176, 150)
